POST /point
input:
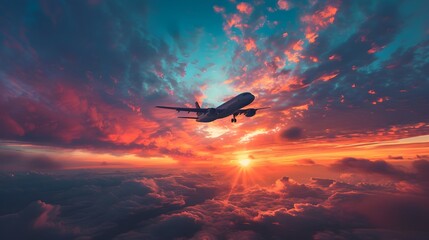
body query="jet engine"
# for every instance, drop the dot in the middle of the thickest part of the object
(250, 113)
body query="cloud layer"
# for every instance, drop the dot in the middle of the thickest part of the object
(191, 205)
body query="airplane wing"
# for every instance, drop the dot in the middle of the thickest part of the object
(181, 109)
(248, 110)
(188, 117)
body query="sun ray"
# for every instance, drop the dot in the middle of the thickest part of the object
(244, 175)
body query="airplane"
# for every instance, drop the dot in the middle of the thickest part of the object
(231, 107)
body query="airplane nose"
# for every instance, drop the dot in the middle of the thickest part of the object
(251, 97)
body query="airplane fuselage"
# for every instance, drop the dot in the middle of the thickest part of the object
(234, 106)
(228, 108)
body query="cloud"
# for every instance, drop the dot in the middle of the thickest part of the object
(167, 204)
(19, 161)
(218, 9)
(245, 8)
(86, 75)
(322, 182)
(366, 166)
(38, 220)
(337, 84)
(71, 87)
(319, 20)
(293, 189)
(181, 225)
(292, 133)
(414, 179)
(283, 4)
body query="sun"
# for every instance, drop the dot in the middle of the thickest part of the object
(244, 163)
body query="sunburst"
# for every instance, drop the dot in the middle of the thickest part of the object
(244, 175)
(244, 163)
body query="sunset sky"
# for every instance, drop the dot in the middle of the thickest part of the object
(346, 82)
(79, 81)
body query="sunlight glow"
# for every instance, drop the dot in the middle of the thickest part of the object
(243, 176)
(244, 163)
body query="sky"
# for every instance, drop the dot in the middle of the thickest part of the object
(79, 80)
(83, 148)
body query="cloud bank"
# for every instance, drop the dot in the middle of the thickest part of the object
(101, 204)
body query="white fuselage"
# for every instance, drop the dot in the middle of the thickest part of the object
(228, 108)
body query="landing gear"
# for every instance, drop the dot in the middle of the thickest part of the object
(233, 119)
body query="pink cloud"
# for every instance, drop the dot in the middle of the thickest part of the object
(245, 8)
(218, 9)
(283, 4)
(48, 213)
(334, 57)
(235, 21)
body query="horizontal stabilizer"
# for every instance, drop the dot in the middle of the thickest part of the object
(188, 117)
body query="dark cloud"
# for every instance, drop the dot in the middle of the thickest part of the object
(370, 167)
(378, 30)
(41, 163)
(153, 204)
(293, 189)
(339, 101)
(182, 225)
(322, 182)
(38, 220)
(416, 177)
(75, 67)
(292, 133)
(422, 169)
(20, 161)
(360, 68)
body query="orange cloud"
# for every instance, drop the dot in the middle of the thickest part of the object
(245, 8)
(327, 77)
(249, 44)
(298, 45)
(318, 21)
(310, 35)
(293, 56)
(313, 59)
(293, 53)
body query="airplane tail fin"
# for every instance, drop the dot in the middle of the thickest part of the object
(197, 106)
